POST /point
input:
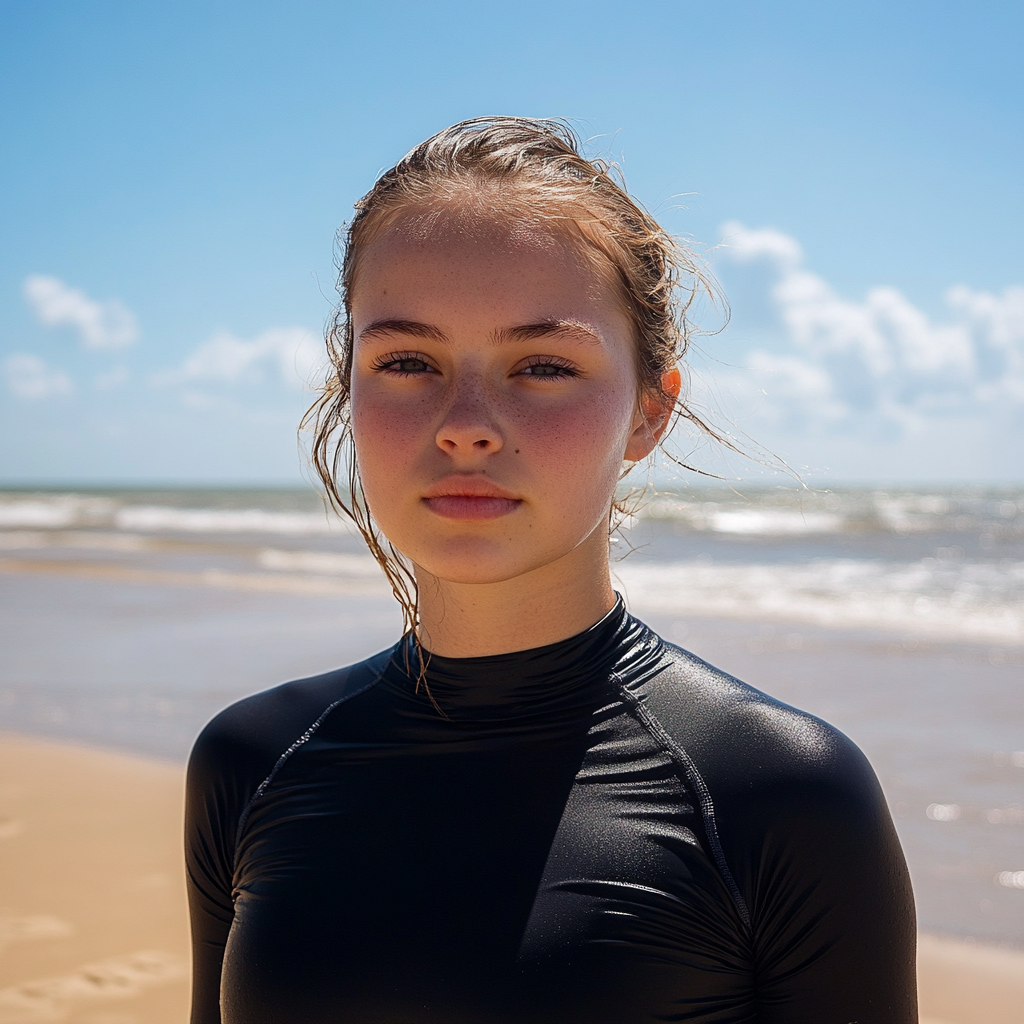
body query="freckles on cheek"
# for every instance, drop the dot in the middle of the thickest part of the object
(374, 424)
(384, 436)
(586, 436)
(576, 458)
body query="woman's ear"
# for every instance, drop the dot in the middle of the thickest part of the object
(653, 417)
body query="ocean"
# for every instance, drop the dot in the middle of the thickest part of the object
(131, 616)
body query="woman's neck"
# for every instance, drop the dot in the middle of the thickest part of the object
(556, 601)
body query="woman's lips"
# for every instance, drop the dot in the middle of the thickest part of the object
(469, 496)
(471, 506)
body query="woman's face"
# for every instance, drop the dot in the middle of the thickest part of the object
(494, 395)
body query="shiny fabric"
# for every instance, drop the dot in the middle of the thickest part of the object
(606, 829)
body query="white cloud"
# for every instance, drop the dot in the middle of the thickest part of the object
(101, 324)
(881, 356)
(999, 320)
(29, 377)
(747, 244)
(228, 359)
(796, 380)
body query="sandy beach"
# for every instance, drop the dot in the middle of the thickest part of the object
(93, 926)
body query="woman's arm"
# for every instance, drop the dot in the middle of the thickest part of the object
(232, 757)
(212, 808)
(806, 838)
(832, 912)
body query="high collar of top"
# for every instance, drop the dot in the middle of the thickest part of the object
(573, 673)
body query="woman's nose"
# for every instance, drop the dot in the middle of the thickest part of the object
(468, 426)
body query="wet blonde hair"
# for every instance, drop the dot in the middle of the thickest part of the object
(521, 168)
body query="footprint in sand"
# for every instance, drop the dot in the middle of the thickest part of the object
(19, 927)
(53, 999)
(11, 827)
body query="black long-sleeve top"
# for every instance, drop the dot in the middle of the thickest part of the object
(604, 830)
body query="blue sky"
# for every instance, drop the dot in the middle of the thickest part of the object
(173, 174)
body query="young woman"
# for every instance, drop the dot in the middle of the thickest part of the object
(532, 808)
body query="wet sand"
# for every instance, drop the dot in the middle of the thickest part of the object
(93, 927)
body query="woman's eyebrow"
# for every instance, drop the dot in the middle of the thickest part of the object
(546, 329)
(411, 327)
(522, 332)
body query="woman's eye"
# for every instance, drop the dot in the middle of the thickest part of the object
(548, 369)
(403, 365)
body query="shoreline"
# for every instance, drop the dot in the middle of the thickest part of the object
(94, 918)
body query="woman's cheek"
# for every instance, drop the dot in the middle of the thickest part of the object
(584, 435)
(385, 435)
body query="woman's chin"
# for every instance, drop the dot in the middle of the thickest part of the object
(476, 568)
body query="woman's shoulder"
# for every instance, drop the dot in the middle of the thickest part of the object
(235, 755)
(749, 746)
(247, 737)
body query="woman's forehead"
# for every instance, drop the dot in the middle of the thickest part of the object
(487, 267)
(455, 225)
(459, 242)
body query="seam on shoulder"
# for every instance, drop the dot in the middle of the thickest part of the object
(696, 780)
(304, 738)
